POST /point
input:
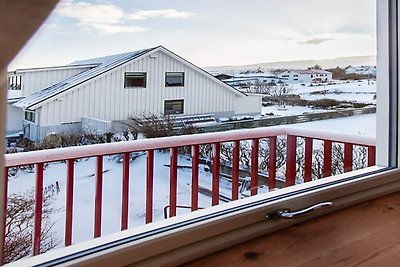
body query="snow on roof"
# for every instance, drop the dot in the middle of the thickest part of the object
(104, 64)
(307, 71)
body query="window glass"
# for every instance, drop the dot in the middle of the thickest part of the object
(30, 116)
(172, 107)
(135, 79)
(174, 79)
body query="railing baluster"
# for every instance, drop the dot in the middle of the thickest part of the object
(254, 167)
(371, 156)
(173, 173)
(4, 217)
(69, 202)
(235, 170)
(308, 159)
(37, 228)
(348, 157)
(195, 177)
(272, 163)
(149, 186)
(98, 196)
(327, 169)
(291, 146)
(215, 173)
(125, 191)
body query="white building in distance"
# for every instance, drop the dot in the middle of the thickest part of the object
(306, 76)
(110, 89)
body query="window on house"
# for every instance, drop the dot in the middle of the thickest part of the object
(135, 79)
(173, 107)
(174, 79)
(15, 82)
(30, 116)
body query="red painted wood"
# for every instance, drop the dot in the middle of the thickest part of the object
(125, 191)
(371, 156)
(254, 167)
(5, 199)
(173, 175)
(149, 186)
(308, 159)
(327, 169)
(348, 157)
(98, 196)
(291, 160)
(37, 223)
(235, 170)
(195, 177)
(215, 173)
(69, 201)
(272, 163)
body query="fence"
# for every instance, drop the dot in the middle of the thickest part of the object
(70, 154)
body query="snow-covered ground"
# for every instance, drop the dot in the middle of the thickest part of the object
(84, 188)
(354, 91)
(288, 110)
(364, 125)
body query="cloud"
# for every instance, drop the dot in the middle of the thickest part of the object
(108, 18)
(165, 13)
(316, 41)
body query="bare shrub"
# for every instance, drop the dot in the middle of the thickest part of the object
(19, 225)
(151, 125)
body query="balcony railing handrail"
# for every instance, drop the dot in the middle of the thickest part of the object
(52, 155)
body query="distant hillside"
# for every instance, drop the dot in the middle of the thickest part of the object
(324, 63)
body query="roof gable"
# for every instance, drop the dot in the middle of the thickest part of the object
(104, 64)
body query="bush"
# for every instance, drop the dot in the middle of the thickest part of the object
(19, 225)
(152, 126)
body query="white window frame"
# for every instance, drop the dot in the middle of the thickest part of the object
(179, 239)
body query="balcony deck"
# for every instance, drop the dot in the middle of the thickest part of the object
(364, 235)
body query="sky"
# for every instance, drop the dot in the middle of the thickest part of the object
(205, 32)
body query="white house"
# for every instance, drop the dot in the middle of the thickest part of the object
(362, 70)
(110, 89)
(306, 76)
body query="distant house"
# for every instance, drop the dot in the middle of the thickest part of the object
(306, 76)
(362, 70)
(98, 92)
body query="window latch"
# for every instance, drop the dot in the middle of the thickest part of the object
(288, 214)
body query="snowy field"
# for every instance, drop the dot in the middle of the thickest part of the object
(354, 91)
(84, 184)
(289, 110)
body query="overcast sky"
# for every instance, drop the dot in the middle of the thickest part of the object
(205, 32)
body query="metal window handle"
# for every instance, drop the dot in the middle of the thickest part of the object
(287, 214)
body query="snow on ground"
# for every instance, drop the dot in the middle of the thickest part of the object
(359, 125)
(355, 91)
(289, 110)
(84, 189)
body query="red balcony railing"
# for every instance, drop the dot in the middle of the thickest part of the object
(39, 158)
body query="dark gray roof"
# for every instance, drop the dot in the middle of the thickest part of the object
(104, 64)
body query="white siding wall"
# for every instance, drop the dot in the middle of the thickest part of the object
(250, 105)
(33, 81)
(106, 98)
(15, 117)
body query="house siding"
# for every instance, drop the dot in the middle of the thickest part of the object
(106, 98)
(33, 81)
